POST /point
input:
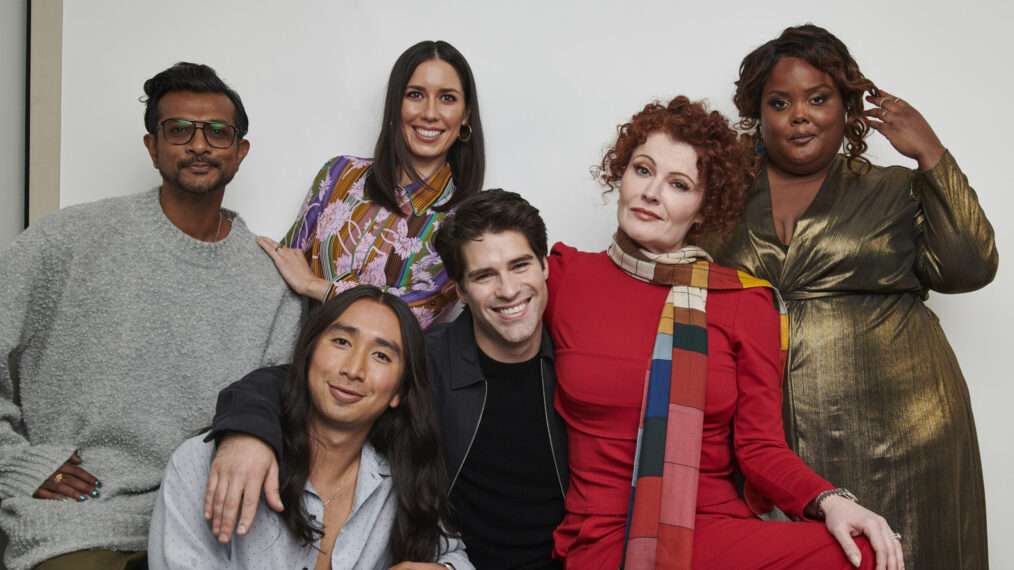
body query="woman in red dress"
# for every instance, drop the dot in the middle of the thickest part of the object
(624, 320)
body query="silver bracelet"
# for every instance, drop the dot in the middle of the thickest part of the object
(448, 565)
(819, 501)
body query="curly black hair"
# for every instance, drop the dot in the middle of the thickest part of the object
(821, 49)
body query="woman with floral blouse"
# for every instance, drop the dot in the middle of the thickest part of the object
(370, 221)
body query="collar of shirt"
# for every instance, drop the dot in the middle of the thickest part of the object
(434, 191)
(373, 469)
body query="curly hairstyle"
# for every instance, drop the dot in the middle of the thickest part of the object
(821, 49)
(725, 164)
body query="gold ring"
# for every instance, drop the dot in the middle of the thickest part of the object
(278, 247)
(883, 116)
(58, 478)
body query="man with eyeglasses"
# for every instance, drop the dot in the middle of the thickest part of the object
(120, 320)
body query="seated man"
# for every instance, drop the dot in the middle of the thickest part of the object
(493, 383)
(119, 322)
(361, 467)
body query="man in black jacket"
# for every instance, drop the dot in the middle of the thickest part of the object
(491, 372)
(493, 381)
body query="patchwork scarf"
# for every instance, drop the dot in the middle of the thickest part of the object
(663, 496)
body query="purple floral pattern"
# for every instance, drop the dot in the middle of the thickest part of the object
(350, 240)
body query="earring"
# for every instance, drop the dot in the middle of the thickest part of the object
(468, 137)
(759, 148)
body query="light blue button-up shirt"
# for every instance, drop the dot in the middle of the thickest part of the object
(181, 538)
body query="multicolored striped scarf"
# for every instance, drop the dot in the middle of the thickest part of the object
(663, 496)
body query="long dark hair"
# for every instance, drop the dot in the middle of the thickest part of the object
(821, 49)
(467, 159)
(407, 435)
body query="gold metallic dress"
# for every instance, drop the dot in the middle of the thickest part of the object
(874, 399)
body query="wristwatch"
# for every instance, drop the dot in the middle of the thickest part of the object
(832, 493)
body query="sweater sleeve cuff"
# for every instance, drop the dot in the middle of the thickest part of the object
(24, 470)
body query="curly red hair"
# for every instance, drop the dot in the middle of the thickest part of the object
(726, 165)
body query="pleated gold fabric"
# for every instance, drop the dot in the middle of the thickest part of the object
(874, 399)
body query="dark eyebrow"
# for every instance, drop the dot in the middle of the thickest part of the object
(354, 331)
(477, 271)
(421, 88)
(518, 259)
(393, 346)
(196, 120)
(817, 87)
(342, 327)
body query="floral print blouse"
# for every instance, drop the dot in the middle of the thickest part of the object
(350, 240)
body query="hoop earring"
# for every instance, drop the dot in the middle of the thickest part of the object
(465, 138)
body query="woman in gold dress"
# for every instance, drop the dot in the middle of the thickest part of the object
(874, 398)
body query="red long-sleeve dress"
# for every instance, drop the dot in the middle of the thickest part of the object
(603, 325)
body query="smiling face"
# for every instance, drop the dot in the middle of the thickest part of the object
(432, 112)
(195, 167)
(660, 197)
(356, 368)
(504, 285)
(802, 117)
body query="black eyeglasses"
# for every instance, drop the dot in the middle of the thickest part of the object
(181, 131)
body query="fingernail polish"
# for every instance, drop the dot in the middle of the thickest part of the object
(82, 498)
(95, 494)
(98, 483)
(65, 499)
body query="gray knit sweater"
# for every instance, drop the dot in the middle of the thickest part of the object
(121, 329)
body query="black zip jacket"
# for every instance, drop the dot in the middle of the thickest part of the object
(252, 404)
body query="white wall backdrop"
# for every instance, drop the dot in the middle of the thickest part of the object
(554, 80)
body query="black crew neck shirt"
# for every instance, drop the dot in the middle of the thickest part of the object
(507, 495)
